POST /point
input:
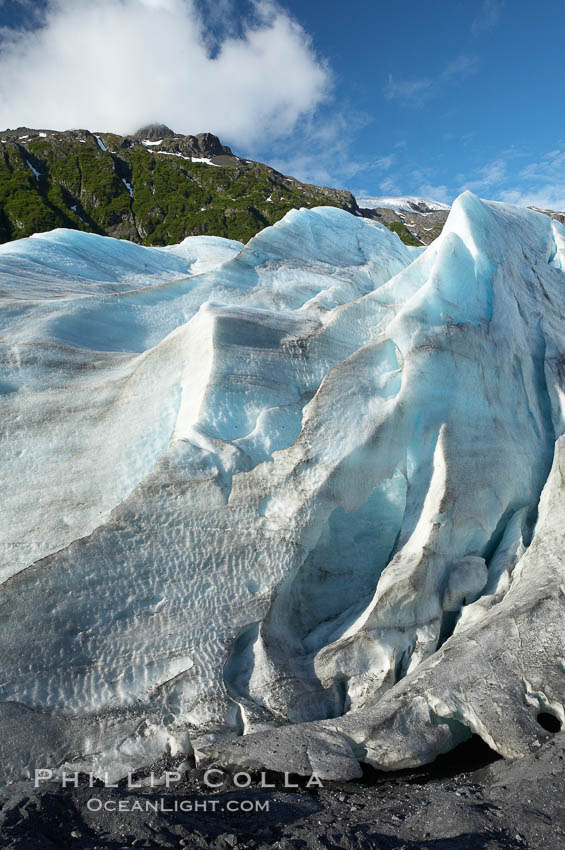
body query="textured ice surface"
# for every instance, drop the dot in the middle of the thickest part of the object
(276, 484)
(69, 262)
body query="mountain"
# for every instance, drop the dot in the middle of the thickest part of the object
(416, 220)
(295, 504)
(558, 216)
(404, 204)
(155, 187)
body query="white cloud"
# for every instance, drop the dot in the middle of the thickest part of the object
(551, 166)
(435, 192)
(488, 16)
(547, 197)
(541, 183)
(489, 175)
(390, 186)
(419, 90)
(118, 64)
(319, 151)
(384, 163)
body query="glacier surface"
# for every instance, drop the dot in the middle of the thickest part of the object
(294, 504)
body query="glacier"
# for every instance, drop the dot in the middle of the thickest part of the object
(297, 504)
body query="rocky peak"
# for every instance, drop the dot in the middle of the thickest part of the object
(154, 132)
(209, 145)
(203, 145)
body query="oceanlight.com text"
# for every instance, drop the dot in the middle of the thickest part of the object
(168, 805)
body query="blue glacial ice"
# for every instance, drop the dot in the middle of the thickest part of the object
(248, 487)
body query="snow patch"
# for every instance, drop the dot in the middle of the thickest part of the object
(175, 153)
(35, 171)
(100, 143)
(128, 186)
(205, 161)
(400, 203)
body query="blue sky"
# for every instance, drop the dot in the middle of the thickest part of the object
(448, 95)
(378, 97)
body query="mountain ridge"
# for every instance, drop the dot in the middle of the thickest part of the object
(153, 191)
(418, 219)
(155, 187)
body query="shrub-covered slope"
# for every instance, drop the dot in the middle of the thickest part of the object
(149, 189)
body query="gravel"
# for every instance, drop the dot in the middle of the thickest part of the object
(468, 799)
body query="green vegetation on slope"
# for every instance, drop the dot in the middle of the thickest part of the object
(149, 193)
(84, 187)
(401, 230)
